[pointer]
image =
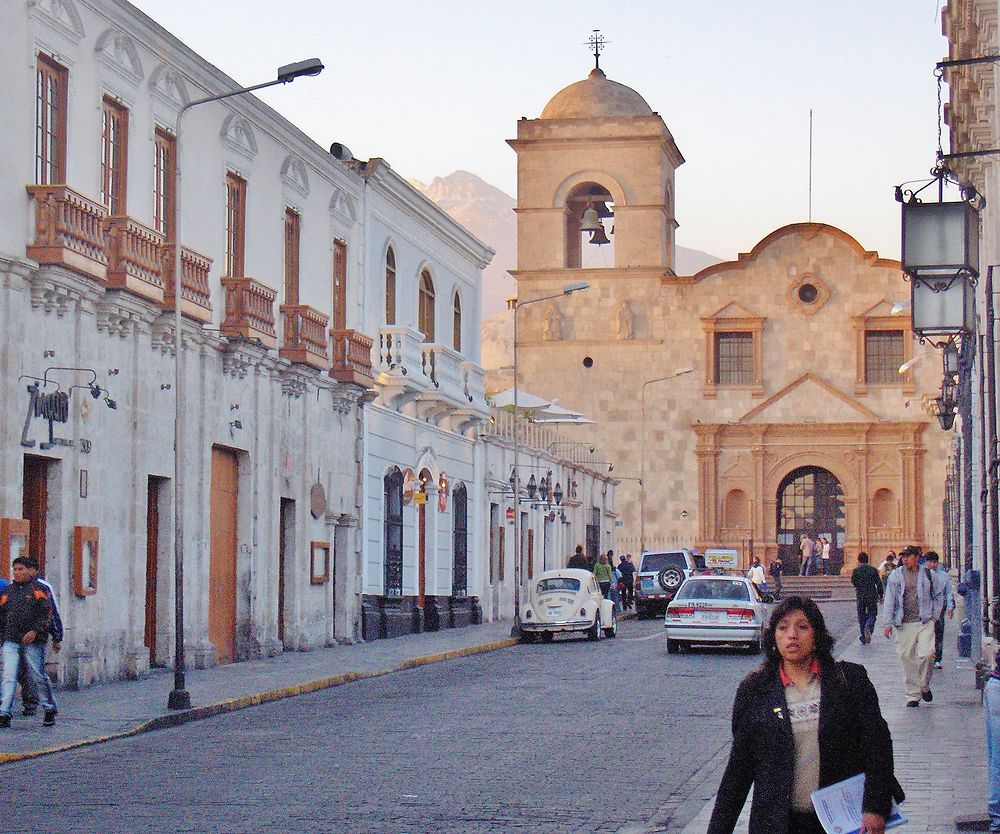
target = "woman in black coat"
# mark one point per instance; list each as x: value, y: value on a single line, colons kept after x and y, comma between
x: 838, y: 732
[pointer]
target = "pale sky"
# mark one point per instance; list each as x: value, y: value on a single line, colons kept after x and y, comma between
x: 438, y: 85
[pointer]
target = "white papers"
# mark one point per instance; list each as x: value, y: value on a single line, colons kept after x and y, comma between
x: 839, y: 807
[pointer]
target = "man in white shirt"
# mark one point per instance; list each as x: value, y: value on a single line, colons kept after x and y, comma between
x: 756, y: 576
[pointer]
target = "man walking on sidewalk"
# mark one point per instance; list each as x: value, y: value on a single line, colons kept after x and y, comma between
x: 913, y: 601
x: 932, y: 560
x: 869, y: 591
x: 991, y: 708
x: 628, y: 581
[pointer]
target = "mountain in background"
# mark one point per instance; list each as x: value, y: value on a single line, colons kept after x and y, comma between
x: 488, y: 213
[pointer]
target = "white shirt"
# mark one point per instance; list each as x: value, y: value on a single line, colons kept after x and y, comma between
x: 756, y: 575
x: 826, y: 550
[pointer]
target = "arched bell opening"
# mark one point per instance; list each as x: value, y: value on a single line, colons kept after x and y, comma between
x: 590, y: 219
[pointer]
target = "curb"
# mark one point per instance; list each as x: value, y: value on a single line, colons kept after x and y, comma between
x: 163, y: 722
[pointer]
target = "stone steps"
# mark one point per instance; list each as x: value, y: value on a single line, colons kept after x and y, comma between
x: 818, y: 587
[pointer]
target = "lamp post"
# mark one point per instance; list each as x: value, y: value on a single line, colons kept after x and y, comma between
x: 569, y: 289
x: 179, y: 697
x: 642, y: 451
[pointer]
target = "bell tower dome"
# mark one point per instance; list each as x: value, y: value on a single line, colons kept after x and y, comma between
x: 599, y: 145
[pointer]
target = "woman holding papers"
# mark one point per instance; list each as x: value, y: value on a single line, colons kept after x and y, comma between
x: 803, y: 722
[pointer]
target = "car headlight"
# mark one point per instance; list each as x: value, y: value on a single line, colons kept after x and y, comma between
x: 583, y: 612
x: 527, y: 614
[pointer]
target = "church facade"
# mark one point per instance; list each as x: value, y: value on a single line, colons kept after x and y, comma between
x: 744, y: 405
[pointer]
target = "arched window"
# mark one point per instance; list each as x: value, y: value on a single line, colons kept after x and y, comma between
x: 456, y: 338
x: 393, y: 538
x: 736, y: 510
x: 883, y: 508
x: 390, y: 286
x: 581, y: 250
x: 460, y: 539
x: 425, y: 307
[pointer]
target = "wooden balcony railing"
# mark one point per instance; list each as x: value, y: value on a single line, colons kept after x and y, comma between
x: 352, y: 358
x: 303, y: 335
x: 135, y: 257
x: 196, y: 297
x: 249, y: 311
x: 69, y: 231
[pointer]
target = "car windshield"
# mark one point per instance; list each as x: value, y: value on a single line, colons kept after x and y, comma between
x: 558, y: 583
x: 734, y: 589
x: 653, y: 562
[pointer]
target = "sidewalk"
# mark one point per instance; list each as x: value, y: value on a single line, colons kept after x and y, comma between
x: 939, y: 747
x: 100, y: 713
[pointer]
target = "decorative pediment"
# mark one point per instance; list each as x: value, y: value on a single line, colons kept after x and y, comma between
x: 741, y: 467
x: 60, y: 15
x: 167, y: 86
x: 238, y: 136
x: 732, y: 310
x: 118, y: 53
x: 882, y: 466
x: 344, y: 205
x: 294, y: 175
x: 812, y: 396
x: 882, y: 308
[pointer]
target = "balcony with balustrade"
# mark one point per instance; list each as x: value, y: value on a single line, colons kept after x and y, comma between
x: 303, y: 336
x: 70, y: 231
x: 196, y: 296
x: 441, y: 365
x: 352, y: 358
x: 249, y: 311
x: 399, y: 365
x: 135, y: 257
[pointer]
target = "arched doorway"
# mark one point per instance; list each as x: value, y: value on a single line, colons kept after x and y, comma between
x: 810, y: 500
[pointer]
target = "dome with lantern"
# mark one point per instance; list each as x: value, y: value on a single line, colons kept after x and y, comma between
x: 596, y: 97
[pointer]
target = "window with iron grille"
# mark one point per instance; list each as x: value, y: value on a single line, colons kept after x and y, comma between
x: 460, y: 538
x: 50, y: 121
x: 883, y: 356
x: 393, y: 539
x: 164, y: 157
x: 236, y: 207
x: 114, y: 156
x: 734, y: 358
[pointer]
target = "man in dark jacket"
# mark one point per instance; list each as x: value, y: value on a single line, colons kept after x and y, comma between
x: 25, y: 614
x: 627, y: 570
x: 578, y: 560
x: 29, y: 695
x: 868, y: 591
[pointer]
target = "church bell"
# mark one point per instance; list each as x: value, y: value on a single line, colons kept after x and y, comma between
x: 591, y: 220
x: 599, y: 237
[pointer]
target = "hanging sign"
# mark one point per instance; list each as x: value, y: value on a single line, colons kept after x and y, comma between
x: 443, y: 492
x: 419, y: 498
x: 317, y: 500
x: 410, y: 485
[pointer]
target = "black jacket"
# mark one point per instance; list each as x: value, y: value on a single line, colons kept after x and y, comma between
x: 867, y: 583
x: 24, y: 607
x: 853, y: 738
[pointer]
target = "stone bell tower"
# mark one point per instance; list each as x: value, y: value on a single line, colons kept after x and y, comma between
x: 597, y: 143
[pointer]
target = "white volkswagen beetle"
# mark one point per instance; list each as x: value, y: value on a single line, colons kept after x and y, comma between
x: 567, y: 600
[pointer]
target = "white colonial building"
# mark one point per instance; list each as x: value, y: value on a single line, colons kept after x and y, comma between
x: 335, y: 474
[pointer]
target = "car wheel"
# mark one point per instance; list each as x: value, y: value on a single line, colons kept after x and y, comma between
x: 594, y: 632
x: 754, y: 647
x: 613, y: 630
x: 670, y: 578
x: 672, y: 646
x: 546, y: 636
x: 526, y: 637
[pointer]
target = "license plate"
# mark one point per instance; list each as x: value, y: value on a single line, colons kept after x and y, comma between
x: 554, y: 612
x: 709, y: 616
x: 647, y: 583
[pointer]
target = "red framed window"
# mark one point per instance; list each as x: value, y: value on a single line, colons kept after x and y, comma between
x: 114, y: 156
x: 50, y: 121
x: 164, y: 159
x: 291, y: 256
x: 236, y: 211
x: 339, y: 318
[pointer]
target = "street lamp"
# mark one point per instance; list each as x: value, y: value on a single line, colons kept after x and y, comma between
x: 642, y: 451
x: 569, y: 289
x: 179, y: 697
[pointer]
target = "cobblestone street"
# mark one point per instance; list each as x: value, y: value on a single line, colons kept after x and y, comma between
x: 567, y: 737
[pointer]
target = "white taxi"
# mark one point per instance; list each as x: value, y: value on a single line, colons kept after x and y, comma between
x: 716, y: 609
x: 567, y: 600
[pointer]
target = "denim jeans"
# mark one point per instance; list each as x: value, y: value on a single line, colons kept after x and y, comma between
x: 991, y: 709
x: 34, y: 658
x: 867, y: 615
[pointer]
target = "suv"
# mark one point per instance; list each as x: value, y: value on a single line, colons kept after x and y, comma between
x: 660, y: 574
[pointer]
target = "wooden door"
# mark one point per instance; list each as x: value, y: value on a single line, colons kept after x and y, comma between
x: 222, y: 564
x: 154, y: 493
x: 339, y: 319
x: 286, y: 525
x: 35, y: 505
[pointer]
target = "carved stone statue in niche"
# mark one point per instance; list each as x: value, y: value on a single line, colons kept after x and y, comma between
x: 625, y: 322
x: 552, y: 327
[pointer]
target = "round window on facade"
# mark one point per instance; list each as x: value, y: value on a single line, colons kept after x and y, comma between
x: 808, y: 293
